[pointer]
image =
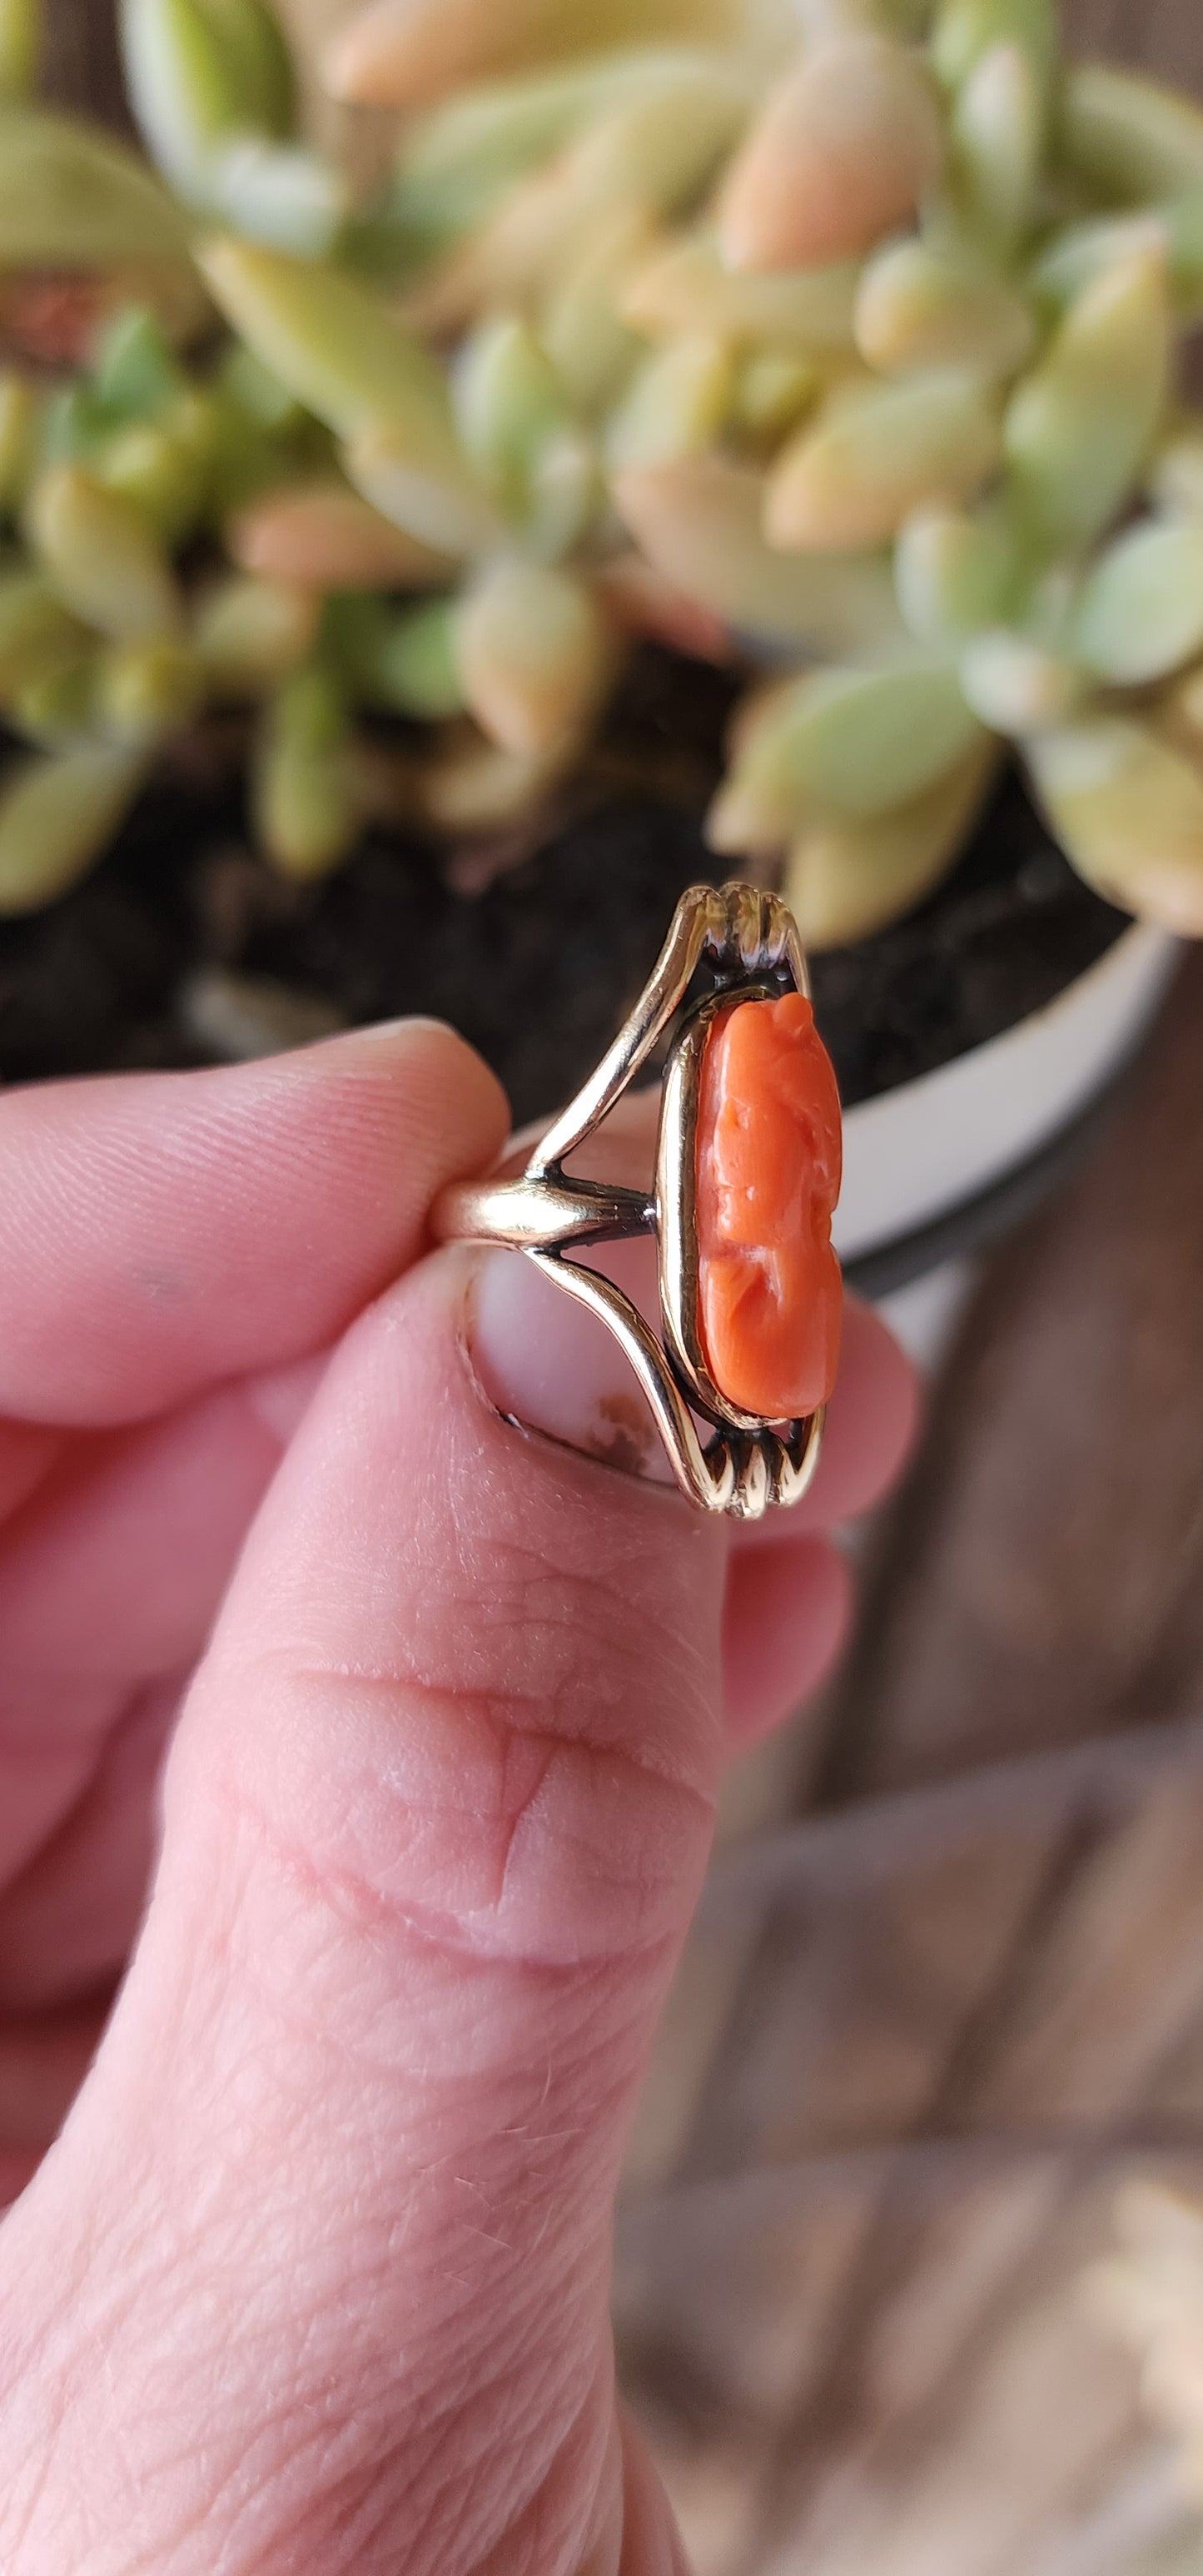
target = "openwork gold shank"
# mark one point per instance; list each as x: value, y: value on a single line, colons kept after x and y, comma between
x: 746, y: 1467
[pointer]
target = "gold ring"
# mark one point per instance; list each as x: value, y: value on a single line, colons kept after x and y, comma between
x: 749, y: 1283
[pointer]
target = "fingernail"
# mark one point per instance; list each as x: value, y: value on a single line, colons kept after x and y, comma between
x: 409, y: 1020
x: 544, y: 1361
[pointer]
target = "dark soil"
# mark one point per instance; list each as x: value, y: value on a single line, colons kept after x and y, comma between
x: 540, y: 965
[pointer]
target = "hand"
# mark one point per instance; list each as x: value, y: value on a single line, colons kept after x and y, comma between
x: 314, y: 2279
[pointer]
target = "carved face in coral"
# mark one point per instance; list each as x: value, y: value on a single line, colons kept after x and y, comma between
x: 769, y: 1155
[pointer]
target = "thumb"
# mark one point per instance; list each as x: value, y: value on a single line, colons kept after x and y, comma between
x: 335, y: 2203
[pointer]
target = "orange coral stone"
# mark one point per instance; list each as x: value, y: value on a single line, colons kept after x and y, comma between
x: 769, y: 1154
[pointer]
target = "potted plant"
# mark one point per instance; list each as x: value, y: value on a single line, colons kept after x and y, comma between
x: 707, y: 454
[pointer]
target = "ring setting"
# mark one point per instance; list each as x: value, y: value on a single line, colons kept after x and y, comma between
x: 747, y: 1178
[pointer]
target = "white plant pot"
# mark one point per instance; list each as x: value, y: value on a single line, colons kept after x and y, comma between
x: 915, y: 1154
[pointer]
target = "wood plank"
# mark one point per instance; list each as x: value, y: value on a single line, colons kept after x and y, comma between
x: 80, y: 64
x: 1164, y: 35
x: 1041, y: 1580
x: 845, y: 2342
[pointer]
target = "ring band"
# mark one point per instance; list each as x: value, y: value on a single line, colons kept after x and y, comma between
x: 750, y: 1462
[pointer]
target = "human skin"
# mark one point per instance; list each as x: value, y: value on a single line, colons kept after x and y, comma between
x: 314, y: 2275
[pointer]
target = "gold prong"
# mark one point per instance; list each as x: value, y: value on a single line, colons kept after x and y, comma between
x: 748, y: 1466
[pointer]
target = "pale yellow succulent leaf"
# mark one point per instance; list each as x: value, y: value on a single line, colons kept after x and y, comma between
x: 305, y: 811
x: 998, y: 134
x: 473, y: 786
x: 251, y: 630
x: 284, y: 195
x: 1141, y: 610
x: 20, y: 44
x: 213, y: 94
x: 320, y: 535
x: 1079, y: 428
x: 458, y: 158
x: 191, y: 87
x: 1128, y: 136
x: 535, y: 654
x: 19, y: 415
x: 145, y: 692
x: 405, y: 53
x: 1128, y: 809
x: 338, y: 349
x: 954, y: 574
x: 676, y: 405
x: 72, y: 196
x: 565, y: 493
x: 1175, y: 479
x: 821, y: 19
x: 842, y: 742
x: 448, y: 512
x: 845, y: 880
x: 37, y: 632
x: 1084, y: 251
x: 107, y: 565
x: 54, y: 706
x: 931, y: 304
x: 685, y: 287
x: 58, y: 815
x: 592, y: 349
x: 873, y: 456
x: 966, y: 31
x: 163, y: 476
x: 842, y: 153
x: 333, y: 343
x: 1016, y: 686
x: 773, y: 392
x: 507, y: 400
x: 650, y: 156
x: 700, y: 524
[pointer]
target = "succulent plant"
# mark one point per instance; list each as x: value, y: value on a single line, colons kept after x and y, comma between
x: 846, y: 358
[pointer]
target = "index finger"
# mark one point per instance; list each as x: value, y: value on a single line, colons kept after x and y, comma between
x: 161, y: 1233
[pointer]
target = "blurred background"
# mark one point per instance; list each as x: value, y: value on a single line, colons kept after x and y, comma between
x: 942, y: 2017
x: 945, y: 2005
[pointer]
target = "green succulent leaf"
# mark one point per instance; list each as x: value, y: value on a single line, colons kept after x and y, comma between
x: 136, y: 374
x: 1083, y: 252
x: 20, y: 44
x: 72, y: 197
x: 1130, y: 138
x: 333, y: 343
x: 416, y: 670
x: 1129, y: 810
x: 1141, y: 612
x: 844, y: 880
x: 303, y: 795
x: 966, y: 31
x: 1079, y: 428
x: 457, y: 160
x: 211, y: 87
x: 843, y: 742
x: 107, y: 564
x: 57, y: 817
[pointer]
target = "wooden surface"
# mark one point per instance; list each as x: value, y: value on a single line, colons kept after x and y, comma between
x: 1042, y: 1578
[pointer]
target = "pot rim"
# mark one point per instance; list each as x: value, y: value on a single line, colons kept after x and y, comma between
x: 936, y: 1147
